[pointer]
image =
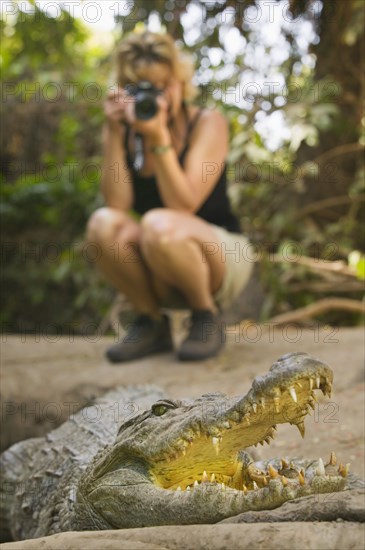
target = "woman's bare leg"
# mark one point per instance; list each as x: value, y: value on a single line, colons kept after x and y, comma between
x: 118, y: 237
x: 168, y: 249
x: 174, y: 246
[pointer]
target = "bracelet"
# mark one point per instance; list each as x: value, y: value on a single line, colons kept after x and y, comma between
x: 160, y: 149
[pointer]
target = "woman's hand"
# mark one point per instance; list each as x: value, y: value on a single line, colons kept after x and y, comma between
x: 154, y: 129
x: 115, y: 105
x: 119, y: 107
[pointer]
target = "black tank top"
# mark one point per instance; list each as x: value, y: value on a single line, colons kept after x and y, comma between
x: 216, y: 209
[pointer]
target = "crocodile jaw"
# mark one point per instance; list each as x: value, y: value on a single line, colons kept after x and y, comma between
x: 193, y: 440
x: 284, y: 395
x: 137, y: 503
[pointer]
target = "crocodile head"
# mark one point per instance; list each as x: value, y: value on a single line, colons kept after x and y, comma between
x: 178, y: 450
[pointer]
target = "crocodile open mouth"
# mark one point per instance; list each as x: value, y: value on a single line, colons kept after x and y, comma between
x: 212, y: 454
x: 251, y: 476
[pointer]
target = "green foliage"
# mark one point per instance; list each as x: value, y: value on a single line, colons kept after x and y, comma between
x: 45, y: 254
x: 36, y: 46
x: 357, y: 262
x: 49, y: 282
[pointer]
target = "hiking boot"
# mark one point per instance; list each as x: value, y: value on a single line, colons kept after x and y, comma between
x: 146, y: 336
x: 205, y: 337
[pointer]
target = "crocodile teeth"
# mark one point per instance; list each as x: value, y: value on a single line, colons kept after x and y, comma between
x: 301, y: 429
x: 301, y: 477
x: 272, y: 472
x: 343, y: 470
x: 245, y: 490
x: 212, y: 478
x: 333, y: 459
x: 254, y: 407
x: 263, y: 404
x: 284, y: 463
x: 267, y: 439
x: 320, y: 469
x: 179, y: 488
x: 311, y: 404
x: 284, y: 481
x: 216, y: 441
x: 213, y: 432
x: 223, y: 486
x: 196, y: 483
x: 299, y: 384
x: 293, y: 394
x: 204, y: 477
x: 318, y: 382
x: 310, y: 384
x: 255, y: 486
x: 188, y: 488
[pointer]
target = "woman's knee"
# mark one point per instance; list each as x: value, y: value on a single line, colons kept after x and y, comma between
x: 159, y: 227
x: 105, y: 224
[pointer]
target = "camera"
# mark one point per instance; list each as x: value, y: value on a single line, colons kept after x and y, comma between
x: 145, y: 95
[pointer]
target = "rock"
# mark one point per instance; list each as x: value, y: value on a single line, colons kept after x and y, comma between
x: 264, y: 536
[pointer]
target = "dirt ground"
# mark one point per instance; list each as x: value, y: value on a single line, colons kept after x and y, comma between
x: 43, y: 376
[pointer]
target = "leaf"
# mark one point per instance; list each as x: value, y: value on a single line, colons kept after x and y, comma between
x: 357, y: 262
x: 360, y: 269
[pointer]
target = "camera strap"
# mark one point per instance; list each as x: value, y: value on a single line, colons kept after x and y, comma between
x: 139, y: 156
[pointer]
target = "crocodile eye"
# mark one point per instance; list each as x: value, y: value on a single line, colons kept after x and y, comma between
x: 159, y: 409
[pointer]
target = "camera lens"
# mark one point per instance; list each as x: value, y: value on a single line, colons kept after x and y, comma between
x: 146, y: 105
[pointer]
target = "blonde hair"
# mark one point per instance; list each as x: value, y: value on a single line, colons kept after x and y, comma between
x: 149, y: 47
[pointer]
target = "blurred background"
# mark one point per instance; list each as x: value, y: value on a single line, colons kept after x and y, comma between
x: 288, y: 75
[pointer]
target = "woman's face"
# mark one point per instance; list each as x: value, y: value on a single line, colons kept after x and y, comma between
x: 159, y: 74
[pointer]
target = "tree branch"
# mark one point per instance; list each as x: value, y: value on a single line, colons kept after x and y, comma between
x: 324, y: 286
x: 315, y: 264
x: 317, y: 308
x: 328, y: 203
x: 339, y: 150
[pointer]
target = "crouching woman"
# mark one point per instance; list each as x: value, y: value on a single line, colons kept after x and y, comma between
x: 167, y: 166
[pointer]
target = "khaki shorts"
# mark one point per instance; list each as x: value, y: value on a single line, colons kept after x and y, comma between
x: 234, y: 252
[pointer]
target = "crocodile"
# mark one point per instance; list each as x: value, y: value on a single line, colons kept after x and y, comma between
x: 135, y: 458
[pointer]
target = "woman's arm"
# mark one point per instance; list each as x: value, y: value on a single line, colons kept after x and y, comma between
x: 116, y: 183
x: 186, y: 188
